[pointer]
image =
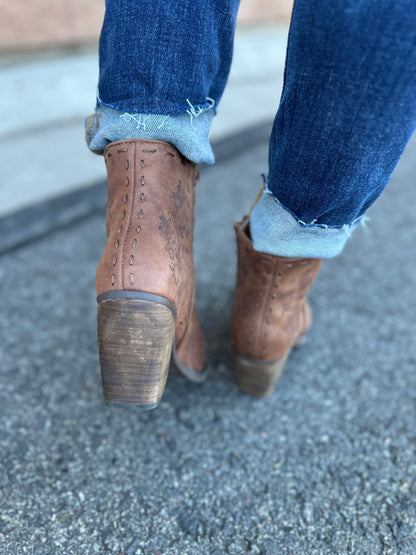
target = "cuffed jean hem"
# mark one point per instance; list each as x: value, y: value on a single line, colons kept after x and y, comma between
x: 188, y: 132
x: 276, y: 230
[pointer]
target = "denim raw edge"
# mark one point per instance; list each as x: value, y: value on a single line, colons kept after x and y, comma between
x: 276, y: 230
x: 188, y: 132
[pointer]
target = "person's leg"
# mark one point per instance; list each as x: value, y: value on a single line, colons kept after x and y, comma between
x: 347, y: 111
x: 163, y: 67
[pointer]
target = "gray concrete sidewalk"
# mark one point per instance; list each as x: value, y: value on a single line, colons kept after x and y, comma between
x: 45, y: 100
x: 326, y: 465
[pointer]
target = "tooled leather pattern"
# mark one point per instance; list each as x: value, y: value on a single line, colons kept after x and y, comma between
x: 150, y: 224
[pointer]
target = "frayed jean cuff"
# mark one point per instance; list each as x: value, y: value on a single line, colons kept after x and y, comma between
x: 188, y: 132
x: 276, y: 230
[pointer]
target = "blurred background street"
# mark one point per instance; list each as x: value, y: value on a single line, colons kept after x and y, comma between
x: 326, y: 465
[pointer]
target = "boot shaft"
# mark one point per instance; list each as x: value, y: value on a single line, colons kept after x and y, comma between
x: 270, y: 309
x: 150, y: 200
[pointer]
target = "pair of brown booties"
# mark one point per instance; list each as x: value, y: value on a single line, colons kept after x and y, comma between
x: 147, y: 322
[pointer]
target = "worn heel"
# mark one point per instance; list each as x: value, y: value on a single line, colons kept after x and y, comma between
x: 257, y: 377
x: 135, y: 337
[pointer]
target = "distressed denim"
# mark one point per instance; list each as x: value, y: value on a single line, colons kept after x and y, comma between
x: 347, y: 110
x: 187, y: 132
x: 166, y: 58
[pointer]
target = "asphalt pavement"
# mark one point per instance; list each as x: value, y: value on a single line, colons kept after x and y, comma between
x: 326, y: 465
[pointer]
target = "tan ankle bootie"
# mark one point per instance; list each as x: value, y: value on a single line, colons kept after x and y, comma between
x: 270, y: 312
x: 145, y: 278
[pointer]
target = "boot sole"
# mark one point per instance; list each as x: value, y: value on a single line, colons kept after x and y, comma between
x: 257, y: 377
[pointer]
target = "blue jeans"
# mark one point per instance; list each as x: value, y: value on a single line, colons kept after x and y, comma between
x: 347, y: 110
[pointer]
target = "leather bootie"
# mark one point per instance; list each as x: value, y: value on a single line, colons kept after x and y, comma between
x: 270, y: 312
x: 145, y: 278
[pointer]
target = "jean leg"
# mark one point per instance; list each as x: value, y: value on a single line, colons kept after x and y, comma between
x: 156, y: 54
x: 163, y: 68
x: 347, y: 111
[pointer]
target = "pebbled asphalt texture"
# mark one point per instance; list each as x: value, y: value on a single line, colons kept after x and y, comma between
x: 326, y: 465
